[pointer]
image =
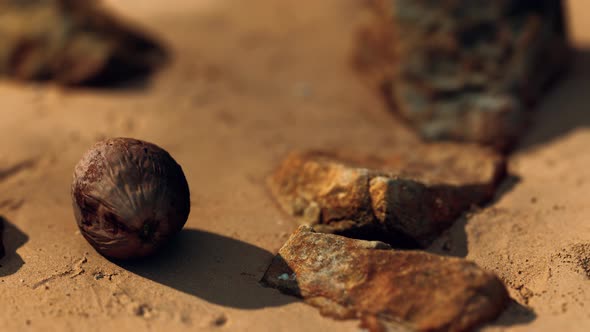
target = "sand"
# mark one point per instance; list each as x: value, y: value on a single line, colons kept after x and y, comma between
x: 251, y: 80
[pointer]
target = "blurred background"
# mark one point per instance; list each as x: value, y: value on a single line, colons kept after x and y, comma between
x: 229, y: 88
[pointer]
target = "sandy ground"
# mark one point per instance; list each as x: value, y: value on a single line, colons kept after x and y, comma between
x: 250, y: 81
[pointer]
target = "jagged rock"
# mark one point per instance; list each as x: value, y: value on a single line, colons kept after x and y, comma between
x: 72, y: 42
x: 406, y: 199
x: 2, y: 250
x: 387, y: 289
x: 463, y: 70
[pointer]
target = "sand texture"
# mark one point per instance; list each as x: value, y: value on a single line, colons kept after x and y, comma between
x: 248, y: 82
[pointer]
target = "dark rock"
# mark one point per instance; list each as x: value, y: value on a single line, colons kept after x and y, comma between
x: 2, y: 250
x: 405, y: 199
x: 386, y: 289
x: 72, y: 42
x: 463, y: 70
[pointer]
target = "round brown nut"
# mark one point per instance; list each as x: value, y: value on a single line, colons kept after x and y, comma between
x: 130, y: 197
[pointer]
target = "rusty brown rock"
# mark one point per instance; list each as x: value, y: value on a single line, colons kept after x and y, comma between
x: 406, y: 199
x: 72, y: 42
x: 387, y: 289
x: 463, y: 70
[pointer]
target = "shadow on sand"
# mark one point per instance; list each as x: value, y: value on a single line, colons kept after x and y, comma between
x: 515, y: 314
x: 216, y: 268
x: 12, y: 238
x: 564, y: 108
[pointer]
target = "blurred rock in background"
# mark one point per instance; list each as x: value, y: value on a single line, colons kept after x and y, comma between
x: 463, y: 70
x: 74, y: 43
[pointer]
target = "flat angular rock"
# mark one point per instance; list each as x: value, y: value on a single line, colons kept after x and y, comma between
x: 388, y: 290
x: 463, y: 70
x: 406, y: 199
x: 72, y: 42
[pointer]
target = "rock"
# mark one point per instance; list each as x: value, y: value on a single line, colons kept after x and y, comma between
x: 72, y: 42
x: 406, y: 199
x: 463, y: 70
x: 388, y: 290
x: 2, y: 250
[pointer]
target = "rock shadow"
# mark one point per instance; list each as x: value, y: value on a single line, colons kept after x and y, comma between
x: 515, y: 314
x: 564, y: 108
x: 453, y: 242
x: 12, y: 238
x: 132, y: 66
x: 506, y: 186
x: 216, y: 268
